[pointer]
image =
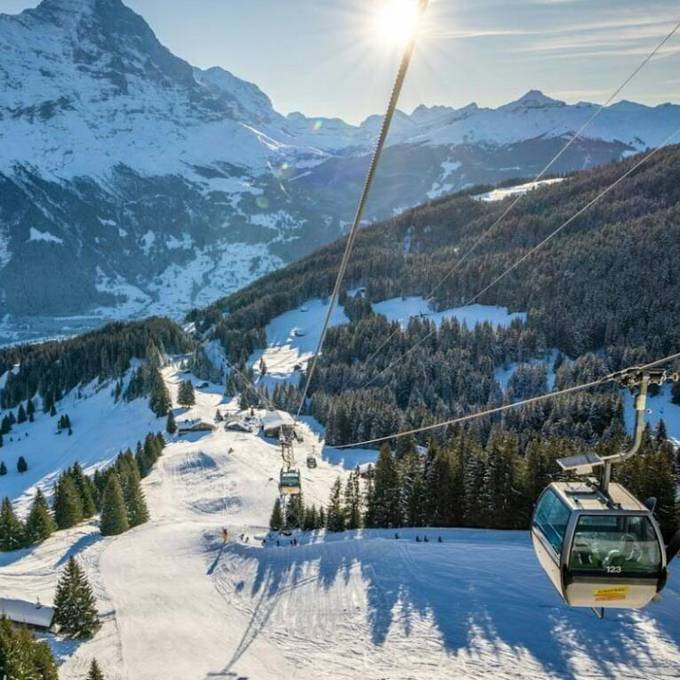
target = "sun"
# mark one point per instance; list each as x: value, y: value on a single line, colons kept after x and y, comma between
x: 396, y: 21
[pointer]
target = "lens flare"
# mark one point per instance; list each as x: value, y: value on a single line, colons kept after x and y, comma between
x: 396, y: 21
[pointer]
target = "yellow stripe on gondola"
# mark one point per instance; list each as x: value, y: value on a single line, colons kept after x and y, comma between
x: 611, y: 594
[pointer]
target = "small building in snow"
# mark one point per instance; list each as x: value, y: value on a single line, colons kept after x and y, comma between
x: 274, y: 422
x: 200, y: 426
x: 31, y: 614
x: 237, y: 426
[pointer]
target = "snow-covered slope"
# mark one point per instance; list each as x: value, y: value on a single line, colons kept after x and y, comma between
x: 179, y: 605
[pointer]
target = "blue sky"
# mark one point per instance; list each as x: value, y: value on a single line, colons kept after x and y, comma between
x: 320, y: 56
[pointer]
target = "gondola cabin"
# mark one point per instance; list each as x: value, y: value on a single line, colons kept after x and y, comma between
x: 599, y: 550
x: 290, y: 483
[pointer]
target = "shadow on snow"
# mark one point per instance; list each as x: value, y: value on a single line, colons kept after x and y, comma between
x: 475, y: 585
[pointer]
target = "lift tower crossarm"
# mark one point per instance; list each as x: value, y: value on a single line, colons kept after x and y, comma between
x: 632, y: 378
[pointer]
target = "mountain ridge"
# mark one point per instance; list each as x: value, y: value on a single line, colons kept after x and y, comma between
x: 135, y: 183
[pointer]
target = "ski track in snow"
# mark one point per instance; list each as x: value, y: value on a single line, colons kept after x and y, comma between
x: 176, y: 604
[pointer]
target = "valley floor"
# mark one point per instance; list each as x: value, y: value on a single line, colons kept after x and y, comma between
x: 178, y: 605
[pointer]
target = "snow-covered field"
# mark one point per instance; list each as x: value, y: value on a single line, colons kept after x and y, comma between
x: 402, y: 309
x: 517, y: 190
x: 178, y: 605
x: 292, y: 339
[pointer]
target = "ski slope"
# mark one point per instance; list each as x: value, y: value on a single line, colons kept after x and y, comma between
x: 102, y: 429
x: 179, y: 605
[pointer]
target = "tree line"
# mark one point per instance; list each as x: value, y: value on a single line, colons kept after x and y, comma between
x: 52, y: 369
x: 115, y: 493
x: 472, y: 483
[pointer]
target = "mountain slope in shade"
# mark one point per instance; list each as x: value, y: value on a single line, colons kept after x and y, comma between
x: 133, y: 183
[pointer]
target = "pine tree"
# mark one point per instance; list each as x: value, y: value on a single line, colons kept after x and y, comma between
x: 21, y: 414
x: 12, y: 531
x: 310, y: 522
x: 22, y: 465
x: 353, y: 501
x: 369, y: 499
x: 661, y: 434
x: 67, y: 505
x: 22, y: 657
x: 412, y: 489
x: 85, y: 490
x: 114, y: 518
x: 30, y: 409
x: 40, y: 523
x: 3, y: 469
x: 74, y: 603
x: 186, y: 395
x: 295, y: 512
x: 151, y: 452
x: 386, y: 500
x: 95, y: 672
x: 243, y: 402
x: 498, y: 491
x: 335, y: 513
x: 276, y: 519
x: 170, y: 424
x: 159, y: 400
x: 135, y: 502
x: 321, y: 519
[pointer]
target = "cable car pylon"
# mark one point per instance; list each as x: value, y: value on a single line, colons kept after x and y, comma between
x: 290, y: 481
x: 598, y: 544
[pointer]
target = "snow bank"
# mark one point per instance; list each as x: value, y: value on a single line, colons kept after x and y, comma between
x: 402, y: 309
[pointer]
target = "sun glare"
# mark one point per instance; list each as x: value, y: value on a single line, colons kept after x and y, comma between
x: 396, y: 21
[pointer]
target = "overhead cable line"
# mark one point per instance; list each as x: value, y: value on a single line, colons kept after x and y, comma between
x: 351, y: 237
x: 537, y: 178
x: 611, y: 377
x: 528, y: 254
x: 559, y: 154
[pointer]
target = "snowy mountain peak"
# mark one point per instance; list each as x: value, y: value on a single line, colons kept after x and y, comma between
x: 56, y: 10
x: 534, y: 99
